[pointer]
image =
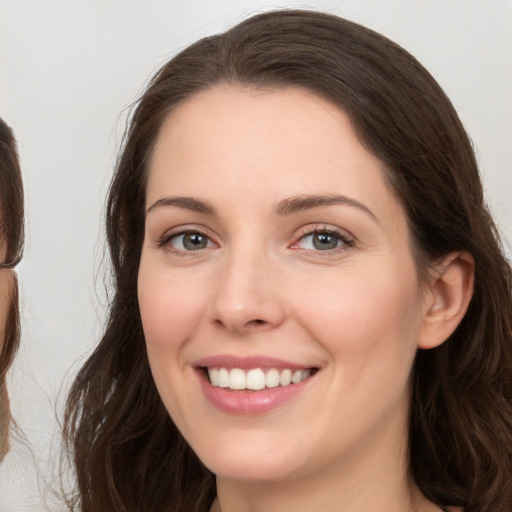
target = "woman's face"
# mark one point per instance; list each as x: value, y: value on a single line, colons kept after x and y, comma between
x: 5, y: 293
x: 6, y: 288
x: 277, y: 258
x: 6, y: 283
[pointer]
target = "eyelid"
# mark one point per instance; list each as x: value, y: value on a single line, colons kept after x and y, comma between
x: 165, y: 239
x: 347, y: 239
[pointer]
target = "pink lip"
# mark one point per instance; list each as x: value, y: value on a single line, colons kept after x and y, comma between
x: 248, y: 403
x: 245, y: 363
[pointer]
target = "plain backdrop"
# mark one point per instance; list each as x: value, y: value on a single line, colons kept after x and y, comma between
x: 69, y: 70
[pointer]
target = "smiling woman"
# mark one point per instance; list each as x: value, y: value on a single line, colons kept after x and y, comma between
x: 312, y: 310
x: 11, y: 246
x: 321, y: 294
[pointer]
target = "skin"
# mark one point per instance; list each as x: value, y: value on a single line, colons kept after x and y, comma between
x: 357, y: 313
x: 6, y: 283
x: 5, y: 287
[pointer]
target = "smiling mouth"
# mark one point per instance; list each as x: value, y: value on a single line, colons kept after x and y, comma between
x: 255, y: 379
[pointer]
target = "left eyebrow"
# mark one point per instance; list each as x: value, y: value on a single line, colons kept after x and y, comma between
x: 306, y: 202
x: 187, y: 203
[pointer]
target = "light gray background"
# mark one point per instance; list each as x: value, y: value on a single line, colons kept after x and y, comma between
x: 68, y: 71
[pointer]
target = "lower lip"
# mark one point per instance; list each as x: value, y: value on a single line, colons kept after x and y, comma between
x: 250, y: 403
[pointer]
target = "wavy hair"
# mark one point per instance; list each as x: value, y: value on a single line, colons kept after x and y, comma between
x: 11, y: 245
x: 119, y: 434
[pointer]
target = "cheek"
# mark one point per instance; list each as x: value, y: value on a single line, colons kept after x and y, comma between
x: 170, y: 313
x: 6, y: 289
x: 368, y: 325
x: 366, y: 316
x: 169, y: 307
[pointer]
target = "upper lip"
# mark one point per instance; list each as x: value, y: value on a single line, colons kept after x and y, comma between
x: 247, y: 362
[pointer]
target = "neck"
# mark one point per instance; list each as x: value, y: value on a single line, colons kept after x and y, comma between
x: 326, y: 497
x: 5, y: 418
x: 289, y: 498
x: 374, y: 477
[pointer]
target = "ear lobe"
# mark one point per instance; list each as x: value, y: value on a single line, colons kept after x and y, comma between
x: 448, y: 297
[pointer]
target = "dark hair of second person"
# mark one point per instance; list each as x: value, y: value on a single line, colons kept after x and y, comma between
x: 11, y: 247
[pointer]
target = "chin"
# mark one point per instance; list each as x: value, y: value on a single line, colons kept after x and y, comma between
x: 251, y: 460
x: 259, y: 471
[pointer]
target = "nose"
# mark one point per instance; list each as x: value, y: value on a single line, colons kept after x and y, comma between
x: 247, y: 297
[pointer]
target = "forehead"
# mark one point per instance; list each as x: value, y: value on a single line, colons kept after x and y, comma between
x: 247, y: 115
x: 281, y: 142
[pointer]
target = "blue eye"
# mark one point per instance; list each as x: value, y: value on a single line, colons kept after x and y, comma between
x: 190, y: 241
x: 323, y: 241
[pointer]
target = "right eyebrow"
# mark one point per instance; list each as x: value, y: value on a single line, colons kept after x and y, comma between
x: 306, y: 202
x: 188, y: 203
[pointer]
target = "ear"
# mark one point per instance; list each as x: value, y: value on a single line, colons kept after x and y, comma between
x: 447, y: 298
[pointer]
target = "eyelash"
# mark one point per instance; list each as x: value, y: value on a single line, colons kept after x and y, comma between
x: 344, y: 240
x: 165, y: 241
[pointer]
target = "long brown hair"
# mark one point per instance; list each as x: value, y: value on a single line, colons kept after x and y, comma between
x: 128, y: 455
x: 11, y: 243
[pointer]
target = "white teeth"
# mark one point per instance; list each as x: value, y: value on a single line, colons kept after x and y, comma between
x: 297, y: 376
x: 286, y: 378
x: 213, y: 373
x: 272, y: 378
x: 223, y: 378
x: 237, y: 379
x: 255, y: 379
